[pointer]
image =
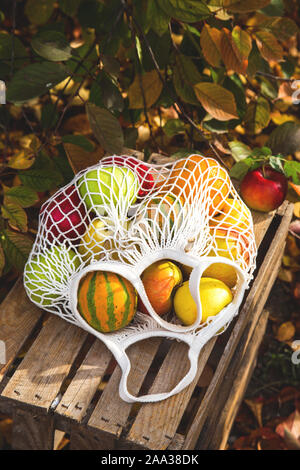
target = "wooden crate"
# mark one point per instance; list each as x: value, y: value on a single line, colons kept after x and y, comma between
x: 58, y: 378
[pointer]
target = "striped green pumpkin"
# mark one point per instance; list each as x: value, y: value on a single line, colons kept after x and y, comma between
x: 107, y: 301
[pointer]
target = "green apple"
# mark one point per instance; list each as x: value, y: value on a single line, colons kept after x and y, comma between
x: 108, y: 185
x: 42, y: 272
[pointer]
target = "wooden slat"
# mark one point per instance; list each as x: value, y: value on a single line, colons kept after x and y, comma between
x: 236, y: 380
x: 156, y: 423
x: 32, y: 431
x: 18, y: 318
x: 250, y: 312
x: 240, y: 376
x: 111, y: 413
x: 82, y: 438
x: 40, y: 375
x: 84, y: 384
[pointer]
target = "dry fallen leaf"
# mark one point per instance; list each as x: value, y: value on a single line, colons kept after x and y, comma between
x: 297, y: 209
x: 80, y: 159
x: 286, y: 331
x: 256, y: 407
x: 289, y: 430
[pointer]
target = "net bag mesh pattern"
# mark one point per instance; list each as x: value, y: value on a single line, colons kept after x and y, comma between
x: 122, y: 215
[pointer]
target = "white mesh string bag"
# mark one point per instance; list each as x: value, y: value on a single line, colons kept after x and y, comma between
x: 120, y: 216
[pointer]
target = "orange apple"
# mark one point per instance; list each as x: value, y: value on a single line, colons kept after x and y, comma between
x: 159, y: 281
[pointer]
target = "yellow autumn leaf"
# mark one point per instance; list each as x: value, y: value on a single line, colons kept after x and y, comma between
x: 297, y: 209
x: 279, y: 118
x: 232, y: 56
x: 210, y: 41
x: 21, y: 160
x: 243, y: 41
x: 216, y: 100
x: 30, y: 141
x: 269, y: 47
x: 144, y: 90
x: 286, y: 331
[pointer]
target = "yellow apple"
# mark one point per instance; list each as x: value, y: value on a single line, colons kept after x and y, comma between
x: 95, y: 241
x: 214, y: 296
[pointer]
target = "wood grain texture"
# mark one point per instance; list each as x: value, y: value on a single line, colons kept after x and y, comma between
x: 239, y: 378
x: 156, y: 423
x: 18, y: 318
x: 247, y: 319
x: 111, y: 413
x: 40, y: 375
x: 84, y: 384
x: 32, y: 431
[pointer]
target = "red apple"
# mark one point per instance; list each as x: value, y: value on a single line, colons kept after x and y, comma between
x: 264, y: 189
x: 64, y: 216
x: 143, y: 171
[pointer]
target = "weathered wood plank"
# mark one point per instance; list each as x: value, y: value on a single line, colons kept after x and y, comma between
x: 84, y: 384
x: 156, y: 423
x: 18, y: 318
x: 248, y: 315
x: 32, y: 431
x: 40, y: 375
x: 239, y: 378
x: 82, y: 438
x: 111, y: 413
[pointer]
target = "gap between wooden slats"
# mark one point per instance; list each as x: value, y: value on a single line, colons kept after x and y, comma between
x: 40, y: 375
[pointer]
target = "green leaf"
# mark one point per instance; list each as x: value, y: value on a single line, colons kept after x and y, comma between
x: 35, y: 80
x: 49, y: 116
x: 42, y: 176
x: 16, y: 247
x: 69, y: 7
x: 130, y: 137
x: 185, y: 75
x: 285, y: 139
x: 39, y: 11
x: 173, y: 127
x: 22, y: 195
x: 292, y: 170
x: 268, y: 88
x: 234, y: 84
x: 10, y: 45
x: 79, y: 140
x: 257, y: 115
x: 239, y: 150
x: 111, y: 95
x: 90, y: 13
x: 15, y: 214
x: 239, y: 170
x: 182, y: 153
x: 2, y: 260
x: 52, y: 45
x: 275, y: 8
x: 157, y: 18
x: 106, y: 128
x: 276, y: 163
x: 62, y: 164
x: 188, y: 11
x: 80, y: 53
x: 40, y: 179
